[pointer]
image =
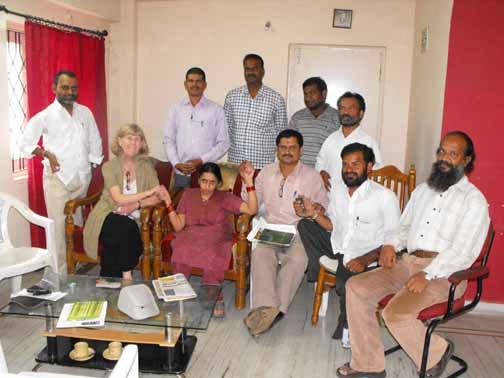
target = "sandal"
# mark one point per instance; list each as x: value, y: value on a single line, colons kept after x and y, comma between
x: 219, y: 309
x: 347, y: 371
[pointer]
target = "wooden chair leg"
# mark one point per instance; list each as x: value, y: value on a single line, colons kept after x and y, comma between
x: 319, y: 290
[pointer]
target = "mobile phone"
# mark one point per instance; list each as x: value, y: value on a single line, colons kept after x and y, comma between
x: 38, y: 290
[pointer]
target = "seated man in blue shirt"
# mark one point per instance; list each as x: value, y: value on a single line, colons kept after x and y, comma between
x: 360, y: 214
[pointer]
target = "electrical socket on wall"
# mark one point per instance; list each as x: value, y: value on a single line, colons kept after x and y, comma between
x: 424, y: 45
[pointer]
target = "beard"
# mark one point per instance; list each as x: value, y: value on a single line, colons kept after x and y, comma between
x: 352, y: 180
x: 440, y: 180
x: 348, y: 120
x: 67, y: 100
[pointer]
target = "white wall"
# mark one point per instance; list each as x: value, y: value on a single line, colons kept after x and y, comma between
x: 49, y: 10
x: 216, y: 34
x: 428, y: 84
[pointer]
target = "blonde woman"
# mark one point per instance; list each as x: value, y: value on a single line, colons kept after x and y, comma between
x: 130, y: 183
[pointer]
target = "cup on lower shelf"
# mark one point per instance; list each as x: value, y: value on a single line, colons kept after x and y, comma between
x: 115, y: 349
x: 81, y: 349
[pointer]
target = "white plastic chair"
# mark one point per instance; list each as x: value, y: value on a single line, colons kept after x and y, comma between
x: 126, y: 367
x: 16, y: 261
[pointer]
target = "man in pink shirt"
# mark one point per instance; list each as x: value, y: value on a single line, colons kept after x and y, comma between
x: 278, y: 186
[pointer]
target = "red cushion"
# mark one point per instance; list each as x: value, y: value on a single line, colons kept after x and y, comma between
x: 434, y: 311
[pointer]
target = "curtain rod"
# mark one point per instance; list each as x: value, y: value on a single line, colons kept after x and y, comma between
x: 98, y: 33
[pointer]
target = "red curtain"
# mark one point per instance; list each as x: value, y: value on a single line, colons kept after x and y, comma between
x: 49, y: 50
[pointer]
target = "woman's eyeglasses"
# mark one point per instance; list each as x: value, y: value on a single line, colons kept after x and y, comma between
x: 128, y: 187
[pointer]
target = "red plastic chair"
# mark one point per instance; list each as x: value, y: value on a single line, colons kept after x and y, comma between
x: 452, y: 308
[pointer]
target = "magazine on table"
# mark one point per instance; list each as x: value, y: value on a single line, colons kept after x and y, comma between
x: 83, y: 314
x: 173, y: 288
x: 269, y: 233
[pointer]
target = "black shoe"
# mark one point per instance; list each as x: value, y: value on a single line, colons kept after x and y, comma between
x: 338, y: 332
x: 438, y: 369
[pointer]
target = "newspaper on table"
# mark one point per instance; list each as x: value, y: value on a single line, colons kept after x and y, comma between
x: 83, y: 314
x: 173, y: 288
x: 269, y: 233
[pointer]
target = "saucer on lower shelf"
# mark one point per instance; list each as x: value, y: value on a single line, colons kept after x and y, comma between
x: 107, y: 356
x: 90, y: 355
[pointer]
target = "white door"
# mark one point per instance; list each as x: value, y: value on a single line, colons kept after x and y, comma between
x: 344, y: 68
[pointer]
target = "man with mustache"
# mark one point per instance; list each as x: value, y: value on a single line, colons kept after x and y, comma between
x: 361, y: 213
x: 317, y: 121
x: 277, y: 187
x: 351, y: 108
x: 255, y: 115
x: 443, y: 228
x: 196, y: 130
x: 71, y: 143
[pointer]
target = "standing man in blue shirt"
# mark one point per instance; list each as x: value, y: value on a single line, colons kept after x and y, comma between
x: 196, y: 130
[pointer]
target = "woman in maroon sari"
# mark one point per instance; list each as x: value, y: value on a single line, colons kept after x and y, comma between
x: 202, y: 228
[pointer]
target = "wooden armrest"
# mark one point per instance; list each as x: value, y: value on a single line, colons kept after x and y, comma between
x: 72, y: 205
x: 469, y: 274
x: 243, y: 223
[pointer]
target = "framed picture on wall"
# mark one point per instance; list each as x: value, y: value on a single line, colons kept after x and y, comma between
x: 342, y: 18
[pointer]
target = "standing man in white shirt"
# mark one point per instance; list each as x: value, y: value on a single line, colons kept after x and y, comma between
x: 443, y: 228
x: 196, y: 130
x: 351, y: 109
x: 361, y: 213
x: 71, y: 143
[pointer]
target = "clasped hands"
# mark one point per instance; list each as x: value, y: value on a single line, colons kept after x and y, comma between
x: 189, y: 166
x: 416, y: 283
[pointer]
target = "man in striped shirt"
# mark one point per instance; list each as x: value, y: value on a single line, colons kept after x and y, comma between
x: 315, y: 122
x: 255, y: 114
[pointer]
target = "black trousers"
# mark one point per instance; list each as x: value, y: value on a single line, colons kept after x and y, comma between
x: 317, y: 243
x: 122, y: 245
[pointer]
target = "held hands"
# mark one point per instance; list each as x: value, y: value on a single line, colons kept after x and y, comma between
x: 387, y: 256
x: 164, y: 195
x: 417, y: 283
x: 247, y: 171
x: 326, y: 178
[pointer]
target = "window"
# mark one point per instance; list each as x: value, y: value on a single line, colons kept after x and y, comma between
x: 16, y: 85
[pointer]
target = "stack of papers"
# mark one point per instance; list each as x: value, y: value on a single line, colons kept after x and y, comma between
x: 173, y: 288
x: 83, y: 314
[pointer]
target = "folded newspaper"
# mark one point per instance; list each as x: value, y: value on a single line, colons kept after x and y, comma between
x: 269, y: 233
x: 173, y: 288
x: 83, y: 314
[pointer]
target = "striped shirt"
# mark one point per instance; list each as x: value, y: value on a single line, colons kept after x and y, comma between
x: 453, y: 223
x: 254, y: 124
x: 315, y: 130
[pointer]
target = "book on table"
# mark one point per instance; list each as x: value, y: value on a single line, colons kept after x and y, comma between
x: 83, y: 314
x: 173, y: 288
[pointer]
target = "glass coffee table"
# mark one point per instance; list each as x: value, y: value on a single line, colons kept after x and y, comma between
x: 163, y: 343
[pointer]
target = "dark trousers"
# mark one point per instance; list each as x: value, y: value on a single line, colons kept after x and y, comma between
x: 182, y: 181
x: 122, y: 245
x: 317, y: 243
